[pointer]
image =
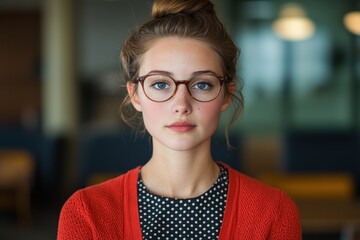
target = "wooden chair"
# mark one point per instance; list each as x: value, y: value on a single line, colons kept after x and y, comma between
x: 313, y: 186
x: 326, y: 200
x: 16, y: 175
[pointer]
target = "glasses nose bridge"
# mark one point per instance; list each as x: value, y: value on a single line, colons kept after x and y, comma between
x: 179, y: 82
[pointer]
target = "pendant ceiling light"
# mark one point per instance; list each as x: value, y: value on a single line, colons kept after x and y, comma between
x: 352, y: 22
x: 293, y: 24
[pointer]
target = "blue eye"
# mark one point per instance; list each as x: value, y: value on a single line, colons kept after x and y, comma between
x: 202, y: 85
x: 160, y: 85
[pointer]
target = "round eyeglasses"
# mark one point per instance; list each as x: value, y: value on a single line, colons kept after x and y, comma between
x: 203, y: 87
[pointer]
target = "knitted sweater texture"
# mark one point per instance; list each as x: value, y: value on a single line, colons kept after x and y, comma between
x: 110, y: 211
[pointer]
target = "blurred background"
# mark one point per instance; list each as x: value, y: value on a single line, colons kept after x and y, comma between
x: 60, y: 92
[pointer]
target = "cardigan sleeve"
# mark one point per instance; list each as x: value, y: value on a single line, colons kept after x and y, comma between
x: 287, y: 223
x: 74, y: 222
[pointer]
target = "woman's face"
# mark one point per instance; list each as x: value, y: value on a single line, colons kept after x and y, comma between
x: 180, y: 123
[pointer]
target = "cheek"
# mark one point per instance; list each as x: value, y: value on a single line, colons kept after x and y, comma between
x: 210, y: 112
x: 152, y: 113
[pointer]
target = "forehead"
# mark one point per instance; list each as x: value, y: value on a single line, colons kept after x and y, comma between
x: 180, y: 56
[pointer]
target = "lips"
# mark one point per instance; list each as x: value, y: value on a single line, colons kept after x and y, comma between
x: 181, y: 126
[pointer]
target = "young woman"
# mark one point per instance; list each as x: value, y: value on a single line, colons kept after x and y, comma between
x: 180, y: 70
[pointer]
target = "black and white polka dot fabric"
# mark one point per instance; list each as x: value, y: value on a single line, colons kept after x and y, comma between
x: 193, y: 218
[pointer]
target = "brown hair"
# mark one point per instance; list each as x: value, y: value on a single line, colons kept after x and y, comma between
x: 187, y: 19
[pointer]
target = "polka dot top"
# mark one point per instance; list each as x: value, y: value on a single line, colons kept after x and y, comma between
x: 192, y: 218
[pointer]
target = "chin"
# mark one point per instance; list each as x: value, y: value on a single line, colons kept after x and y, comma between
x: 186, y: 145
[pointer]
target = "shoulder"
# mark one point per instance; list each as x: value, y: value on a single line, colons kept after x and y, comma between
x: 102, y: 195
x: 266, y: 198
x: 264, y: 205
x: 253, y: 189
x: 111, y: 189
x: 97, y: 211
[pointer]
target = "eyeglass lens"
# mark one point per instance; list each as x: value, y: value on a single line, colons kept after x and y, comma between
x: 159, y: 88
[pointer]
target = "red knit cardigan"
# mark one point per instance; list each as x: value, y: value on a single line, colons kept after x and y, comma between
x: 110, y: 211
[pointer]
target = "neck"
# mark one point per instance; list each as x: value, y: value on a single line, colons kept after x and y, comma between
x: 180, y: 174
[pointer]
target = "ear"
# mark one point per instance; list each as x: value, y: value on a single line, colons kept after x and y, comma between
x: 228, y: 98
x: 131, y: 88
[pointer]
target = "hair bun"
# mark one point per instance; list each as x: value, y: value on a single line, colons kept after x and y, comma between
x: 162, y: 8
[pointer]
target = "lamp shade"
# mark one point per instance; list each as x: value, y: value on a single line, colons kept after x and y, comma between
x: 352, y: 22
x: 293, y: 25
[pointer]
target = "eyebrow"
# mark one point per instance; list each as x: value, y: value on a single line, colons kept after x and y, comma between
x: 192, y: 75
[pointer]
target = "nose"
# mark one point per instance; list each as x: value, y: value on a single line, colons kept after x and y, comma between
x: 181, y: 101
